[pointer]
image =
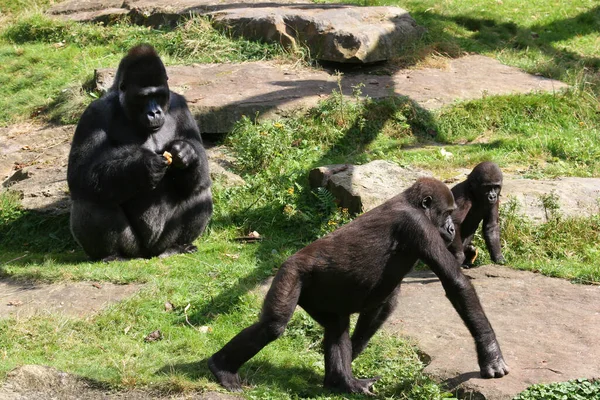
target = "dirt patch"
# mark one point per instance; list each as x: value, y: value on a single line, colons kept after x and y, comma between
x: 38, y: 382
x: 75, y: 299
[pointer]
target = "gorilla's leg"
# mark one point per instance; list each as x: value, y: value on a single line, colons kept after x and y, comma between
x: 103, y: 231
x: 279, y: 305
x: 369, y: 321
x: 338, y: 356
x: 185, y: 226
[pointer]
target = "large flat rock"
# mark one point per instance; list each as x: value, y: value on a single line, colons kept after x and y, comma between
x: 363, y: 187
x: 332, y: 32
x: 219, y: 94
x: 547, y: 328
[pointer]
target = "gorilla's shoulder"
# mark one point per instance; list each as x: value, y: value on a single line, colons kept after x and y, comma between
x: 104, y: 106
x: 177, y: 102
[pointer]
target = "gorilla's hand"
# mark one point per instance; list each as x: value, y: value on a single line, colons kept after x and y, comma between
x: 156, y: 167
x: 183, y: 153
x: 491, y: 362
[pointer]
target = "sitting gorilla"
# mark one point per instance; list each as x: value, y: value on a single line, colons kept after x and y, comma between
x: 358, y: 269
x: 138, y: 173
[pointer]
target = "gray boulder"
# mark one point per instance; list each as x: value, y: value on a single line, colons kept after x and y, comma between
x: 338, y: 33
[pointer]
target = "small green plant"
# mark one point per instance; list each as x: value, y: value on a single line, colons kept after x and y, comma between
x: 551, y: 205
x: 579, y: 389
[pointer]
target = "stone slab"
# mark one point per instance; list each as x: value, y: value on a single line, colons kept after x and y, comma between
x: 363, y: 187
x: 219, y: 94
x: 74, y: 299
x: 547, y: 329
x: 334, y: 33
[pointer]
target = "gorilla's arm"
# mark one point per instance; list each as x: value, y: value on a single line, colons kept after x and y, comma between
x: 463, y: 297
x: 189, y: 158
x: 105, y: 171
x: 491, y: 234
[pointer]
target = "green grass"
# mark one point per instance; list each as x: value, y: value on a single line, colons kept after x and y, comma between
x: 46, y: 69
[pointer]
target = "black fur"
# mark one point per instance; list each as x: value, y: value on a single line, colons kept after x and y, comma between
x: 358, y: 269
x: 127, y: 201
x: 477, y: 200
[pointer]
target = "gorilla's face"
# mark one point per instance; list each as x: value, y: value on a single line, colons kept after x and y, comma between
x: 439, y: 207
x: 146, y: 106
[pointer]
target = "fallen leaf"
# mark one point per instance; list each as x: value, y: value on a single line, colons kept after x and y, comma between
x: 168, y: 306
x: 15, y: 303
x: 153, y: 336
x: 204, y: 329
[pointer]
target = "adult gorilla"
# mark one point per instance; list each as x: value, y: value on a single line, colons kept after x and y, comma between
x: 138, y: 173
x: 358, y: 269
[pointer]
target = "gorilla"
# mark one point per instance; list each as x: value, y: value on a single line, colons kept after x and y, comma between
x: 477, y: 200
x: 358, y: 269
x: 138, y: 173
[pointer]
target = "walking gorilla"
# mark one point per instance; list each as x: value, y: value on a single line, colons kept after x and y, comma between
x: 138, y: 173
x: 358, y: 269
x: 477, y: 200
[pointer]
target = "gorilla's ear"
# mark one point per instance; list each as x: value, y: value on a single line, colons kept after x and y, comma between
x: 426, y: 203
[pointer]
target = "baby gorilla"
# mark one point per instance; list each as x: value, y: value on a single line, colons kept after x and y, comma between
x: 138, y: 173
x: 477, y: 200
x: 358, y: 269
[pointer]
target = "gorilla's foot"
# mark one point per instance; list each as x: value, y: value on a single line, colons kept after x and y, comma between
x: 229, y: 380
x: 179, y: 249
x: 114, y: 257
x: 353, y: 385
x: 494, y: 369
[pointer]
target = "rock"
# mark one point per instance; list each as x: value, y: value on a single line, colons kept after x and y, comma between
x: 573, y: 196
x: 366, y: 186
x: 39, y: 382
x: 340, y: 33
x: 219, y: 94
x: 220, y: 164
x: 544, y: 332
x: 363, y: 187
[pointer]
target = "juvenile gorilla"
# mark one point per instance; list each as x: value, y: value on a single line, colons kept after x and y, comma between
x: 477, y: 200
x: 130, y: 200
x: 358, y: 269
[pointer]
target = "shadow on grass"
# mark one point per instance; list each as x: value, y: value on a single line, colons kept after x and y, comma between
x: 303, y: 382
x: 31, y: 236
